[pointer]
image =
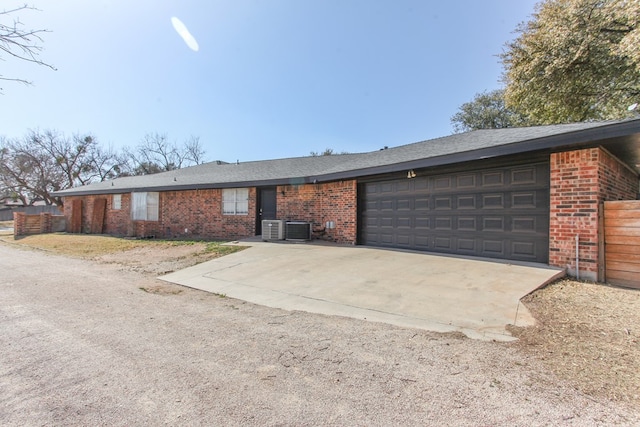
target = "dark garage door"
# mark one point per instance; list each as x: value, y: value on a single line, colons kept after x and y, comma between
x: 497, y: 213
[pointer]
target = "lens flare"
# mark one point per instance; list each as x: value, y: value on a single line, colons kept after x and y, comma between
x: 183, y: 32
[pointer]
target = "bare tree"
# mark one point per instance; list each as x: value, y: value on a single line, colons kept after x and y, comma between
x: 326, y: 152
x: 34, y: 167
x: 27, y: 174
x: 19, y: 42
x: 156, y: 153
x: 194, y: 153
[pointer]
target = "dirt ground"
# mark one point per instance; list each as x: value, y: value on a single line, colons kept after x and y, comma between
x: 142, y: 351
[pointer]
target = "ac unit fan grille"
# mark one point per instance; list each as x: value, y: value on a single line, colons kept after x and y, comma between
x: 298, y: 231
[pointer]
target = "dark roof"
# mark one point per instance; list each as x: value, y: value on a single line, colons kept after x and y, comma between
x: 621, y: 137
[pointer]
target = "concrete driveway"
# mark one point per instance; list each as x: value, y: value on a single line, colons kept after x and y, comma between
x: 426, y: 291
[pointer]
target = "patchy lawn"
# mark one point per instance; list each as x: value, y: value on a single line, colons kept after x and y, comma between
x: 589, y: 335
x: 143, y: 255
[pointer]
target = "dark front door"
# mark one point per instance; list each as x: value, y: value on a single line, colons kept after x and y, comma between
x: 267, y: 206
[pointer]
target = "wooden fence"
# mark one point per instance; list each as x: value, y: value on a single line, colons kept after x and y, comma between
x: 24, y: 224
x: 622, y: 243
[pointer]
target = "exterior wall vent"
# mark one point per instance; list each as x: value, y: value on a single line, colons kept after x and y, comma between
x: 273, y: 229
x: 298, y: 230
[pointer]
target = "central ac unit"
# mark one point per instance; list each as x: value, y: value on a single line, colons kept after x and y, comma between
x: 273, y: 229
x: 298, y: 230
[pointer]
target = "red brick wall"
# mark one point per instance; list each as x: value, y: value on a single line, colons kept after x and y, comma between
x: 580, y: 181
x: 192, y: 214
x: 116, y: 221
x: 197, y: 214
x: 319, y: 203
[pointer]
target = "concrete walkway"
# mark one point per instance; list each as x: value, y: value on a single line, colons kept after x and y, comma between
x: 436, y: 293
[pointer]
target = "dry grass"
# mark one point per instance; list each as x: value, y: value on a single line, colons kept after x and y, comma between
x: 78, y: 245
x: 588, y: 335
x: 94, y: 246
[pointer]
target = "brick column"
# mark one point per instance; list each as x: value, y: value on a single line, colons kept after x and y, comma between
x: 45, y: 222
x: 580, y: 181
x: 18, y: 223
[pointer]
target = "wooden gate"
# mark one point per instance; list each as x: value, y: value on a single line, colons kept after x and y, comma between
x: 622, y: 243
x: 97, y: 220
x: 75, y: 225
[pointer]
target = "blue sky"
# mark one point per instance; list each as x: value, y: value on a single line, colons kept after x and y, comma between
x: 271, y: 78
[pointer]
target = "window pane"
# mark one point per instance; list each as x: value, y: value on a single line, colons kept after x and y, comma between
x: 235, y: 201
x: 229, y: 208
x: 229, y: 195
x: 153, y: 201
x: 117, y: 202
x: 138, y: 206
x: 242, y: 208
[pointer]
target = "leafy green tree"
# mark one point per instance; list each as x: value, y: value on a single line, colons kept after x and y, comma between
x: 575, y: 60
x: 487, y: 110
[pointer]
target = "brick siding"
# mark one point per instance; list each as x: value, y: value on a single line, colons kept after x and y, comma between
x: 319, y: 203
x: 580, y: 181
x: 197, y: 214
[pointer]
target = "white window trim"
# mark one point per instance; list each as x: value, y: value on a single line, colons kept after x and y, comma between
x: 145, y: 206
x: 235, y: 201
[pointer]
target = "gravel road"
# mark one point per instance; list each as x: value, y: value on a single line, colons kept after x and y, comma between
x: 88, y: 343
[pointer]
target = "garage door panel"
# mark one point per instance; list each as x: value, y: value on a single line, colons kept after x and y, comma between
x: 403, y: 186
x: 524, y: 249
x: 493, y: 224
x: 523, y: 200
x: 523, y: 176
x: 441, y: 203
x: 403, y: 240
x: 466, y: 202
x: 422, y: 223
x: 385, y: 222
x: 466, y: 245
x: 442, y: 242
x: 421, y: 204
x: 499, y: 213
x: 404, y: 222
x: 493, y: 201
x: 403, y: 204
x: 443, y: 223
x: 420, y: 184
x: 442, y: 183
x: 524, y: 225
x: 466, y: 181
x: 493, y: 248
x: 386, y: 238
x: 492, y: 179
x: 467, y: 224
x: 385, y: 205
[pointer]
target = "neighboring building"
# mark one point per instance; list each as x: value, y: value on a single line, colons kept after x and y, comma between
x: 519, y: 194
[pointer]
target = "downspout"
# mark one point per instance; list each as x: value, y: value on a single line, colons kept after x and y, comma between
x: 577, y: 257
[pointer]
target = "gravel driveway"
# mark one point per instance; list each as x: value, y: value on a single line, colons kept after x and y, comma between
x: 87, y: 343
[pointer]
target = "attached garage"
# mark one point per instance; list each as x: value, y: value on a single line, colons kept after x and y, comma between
x: 523, y: 194
x: 499, y: 212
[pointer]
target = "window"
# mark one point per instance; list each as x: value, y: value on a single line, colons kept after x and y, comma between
x: 144, y: 206
x: 116, y: 203
x: 235, y: 201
